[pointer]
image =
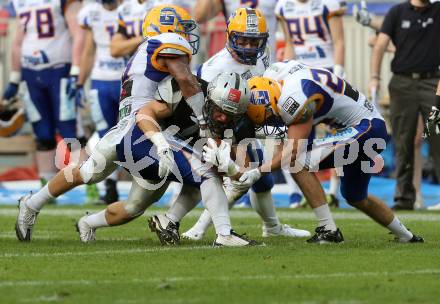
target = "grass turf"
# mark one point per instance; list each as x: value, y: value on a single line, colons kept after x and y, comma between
x: 128, y: 265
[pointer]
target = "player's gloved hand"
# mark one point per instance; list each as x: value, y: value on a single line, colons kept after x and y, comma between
x: 12, y: 88
x: 220, y: 156
x: 203, y: 128
x: 80, y: 96
x: 250, y: 177
x: 165, y: 154
x: 362, y: 16
x: 71, y: 86
x: 433, y: 121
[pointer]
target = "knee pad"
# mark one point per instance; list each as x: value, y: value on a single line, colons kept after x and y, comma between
x: 265, y: 183
x: 45, y: 144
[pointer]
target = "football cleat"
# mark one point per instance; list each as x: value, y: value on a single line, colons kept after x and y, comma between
x: 323, y: 236
x: 87, y: 234
x: 25, y: 219
x: 284, y: 230
x: 414, y: 239
x: 234, y: 240
x: 166, y: 230
x: 193, y: 234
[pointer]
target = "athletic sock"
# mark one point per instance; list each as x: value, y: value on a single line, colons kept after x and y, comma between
x: 263, y: 204
x: 216, y: 202
x: 203, y: 222
x: 324, y: 217
x: 97, y: 220
x: 399, y: 230
x: 37, y: 200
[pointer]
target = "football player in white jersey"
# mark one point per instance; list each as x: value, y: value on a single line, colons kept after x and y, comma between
x: 45, y: 55
x: 100, y: 19
x: 308, y: 96
x: 246, y: 54
x: 316, y: 29
x: 167, y: 51
x: 205, y: 10
x: 128, y: 36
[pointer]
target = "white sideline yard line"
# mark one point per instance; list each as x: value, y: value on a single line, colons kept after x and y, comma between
x: 101, y: 252
x: 301, y: 215
x: 310, y: 276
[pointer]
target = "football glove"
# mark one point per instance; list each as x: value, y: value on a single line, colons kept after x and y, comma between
x: 250, y: 177
x: 362, y: 16
x: 433, y: 121
x: 164, y: 153
x: 220, y: 156
x: 71, y: 86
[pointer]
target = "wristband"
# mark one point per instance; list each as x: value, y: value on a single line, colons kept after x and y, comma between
x: 74, y: 70
x: 15, y: 77
x: 196, y: 103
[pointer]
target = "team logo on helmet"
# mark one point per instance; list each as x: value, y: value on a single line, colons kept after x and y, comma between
x: 259, y: 97
x: 167, y: 16
x: 234, y: 95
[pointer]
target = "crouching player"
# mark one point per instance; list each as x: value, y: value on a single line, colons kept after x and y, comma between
x: 176, y: 161
x: 308, y: 96
x: 245, y: 53
x: 167, y: 51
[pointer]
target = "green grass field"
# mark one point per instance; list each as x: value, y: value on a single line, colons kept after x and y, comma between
x: 128, y: 265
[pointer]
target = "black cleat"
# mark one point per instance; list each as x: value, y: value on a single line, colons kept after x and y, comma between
x: 414, y: 239
x: 111, y: 192
x: 323, y: 236
x: 166, y: 230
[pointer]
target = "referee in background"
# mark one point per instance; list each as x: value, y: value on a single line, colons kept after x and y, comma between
x: 414, y: 29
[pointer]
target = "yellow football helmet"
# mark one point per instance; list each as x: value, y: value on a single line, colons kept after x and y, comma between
x: 170, y: 19
x: 263, y: 106
x: 12, y: 119
x: 247, y: 26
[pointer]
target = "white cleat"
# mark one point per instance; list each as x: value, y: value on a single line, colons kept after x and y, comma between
x: 25, y: 219
x: 87, y: 234
x: 193, y: 234
x: 234, y: 240
x: 434, y: 207
x: 285, y: 230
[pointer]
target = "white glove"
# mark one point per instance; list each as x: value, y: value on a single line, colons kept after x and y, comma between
x: 165, y: 154
x: 362, y: 16
x: 250, y: 177
x: 338, y: 70
x: 220, y: 156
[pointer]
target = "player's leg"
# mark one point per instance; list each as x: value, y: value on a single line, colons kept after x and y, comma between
x: 96, y: 168
x: 295, y: 194
x: 104, y: 101
x: 418, y: 164
x: 121, y: 212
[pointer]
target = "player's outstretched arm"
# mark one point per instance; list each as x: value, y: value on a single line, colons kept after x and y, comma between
x: 205, y: 10
x: 289, y: 49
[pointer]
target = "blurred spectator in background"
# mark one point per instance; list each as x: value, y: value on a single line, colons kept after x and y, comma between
x: 317, y: 35
x: 45, y: 54
x: 205, y: 10
x: 414, y: 28
x: 365, y: 18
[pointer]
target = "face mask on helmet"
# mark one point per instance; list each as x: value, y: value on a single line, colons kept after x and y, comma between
x: 247, y: 35
x: 171, y: 19
x: 108, y: 1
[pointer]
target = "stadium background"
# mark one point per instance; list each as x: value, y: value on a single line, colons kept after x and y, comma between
x: 17, y: 171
